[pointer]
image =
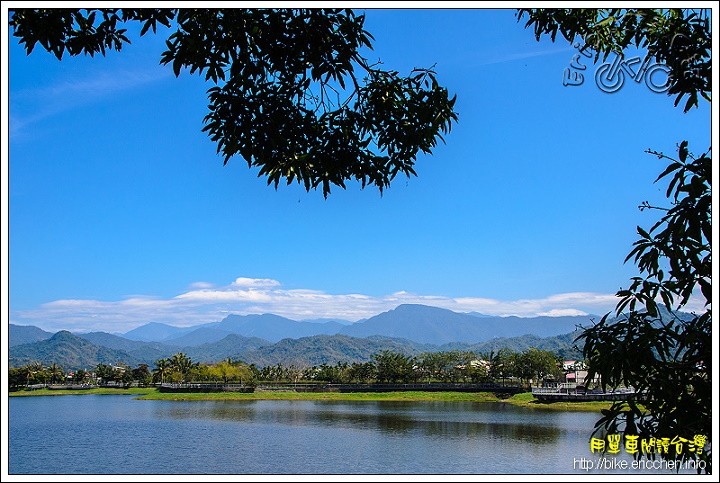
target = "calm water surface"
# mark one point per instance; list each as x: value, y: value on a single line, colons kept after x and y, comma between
x: 104, y: 434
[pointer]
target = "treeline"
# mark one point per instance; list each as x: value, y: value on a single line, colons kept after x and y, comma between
x: 35, y: 373
x: 444, y: 366
x: 385, y: 366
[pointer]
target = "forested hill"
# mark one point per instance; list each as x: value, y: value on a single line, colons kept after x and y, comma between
x: 69, y: 352
x: 73, y: 352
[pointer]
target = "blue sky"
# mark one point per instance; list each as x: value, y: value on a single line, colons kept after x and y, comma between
x: 119, y: 212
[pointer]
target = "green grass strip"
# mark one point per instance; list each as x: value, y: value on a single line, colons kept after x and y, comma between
x: 523, y: 399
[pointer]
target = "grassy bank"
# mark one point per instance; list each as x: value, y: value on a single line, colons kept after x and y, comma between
x: 526, y: 399
x: 66, y: 392
x: 328, y: 396
x: 523, y: 399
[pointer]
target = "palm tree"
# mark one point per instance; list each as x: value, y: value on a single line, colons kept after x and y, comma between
x: 182, y: 364
x: 80, y: 376
x: 55, y: 372
x: 33, y: 368
x: 163, y: 366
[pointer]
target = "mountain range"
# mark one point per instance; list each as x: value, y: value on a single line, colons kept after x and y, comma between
x: 271, y: 339
x: 420, y: 323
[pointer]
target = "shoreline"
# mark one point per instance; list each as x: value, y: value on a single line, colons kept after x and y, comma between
x: 522, y: 399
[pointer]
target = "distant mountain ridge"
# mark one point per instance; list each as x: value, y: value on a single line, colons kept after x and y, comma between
x: 419, y: 323
x: 156, y: 332
x: 275, y: 328
x: 425, y: 324
x: 267, y: 326
x: 26, y: 334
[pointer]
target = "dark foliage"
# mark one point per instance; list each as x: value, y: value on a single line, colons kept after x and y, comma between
x: 292, y: 94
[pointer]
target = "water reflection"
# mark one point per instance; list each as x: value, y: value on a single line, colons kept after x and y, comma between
x: 448, y: 420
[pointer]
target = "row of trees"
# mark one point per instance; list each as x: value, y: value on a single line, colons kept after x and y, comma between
x: 444, y: 366
x: 37, y: 373
x: 384, y: 367
x: 180, y: 368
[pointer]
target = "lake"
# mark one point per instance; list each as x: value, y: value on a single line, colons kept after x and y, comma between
x: 108, y: 434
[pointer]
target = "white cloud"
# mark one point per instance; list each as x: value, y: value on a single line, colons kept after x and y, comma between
x: 255, y: 282
x: 32, y: 105
x: 243, y: 296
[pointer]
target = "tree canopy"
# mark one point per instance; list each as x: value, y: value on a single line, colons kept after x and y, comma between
x: 292, y: 93
x: 678, y: 38
x: 651, y: 344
